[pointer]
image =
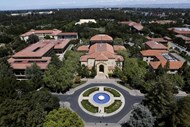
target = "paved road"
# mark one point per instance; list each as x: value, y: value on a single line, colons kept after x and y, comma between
x: 73, y: 100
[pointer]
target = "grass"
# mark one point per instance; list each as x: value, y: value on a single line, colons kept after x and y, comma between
x: 88, y: 106
x: 88, y: 92
x: 114, y: 92
x: 113, y: 107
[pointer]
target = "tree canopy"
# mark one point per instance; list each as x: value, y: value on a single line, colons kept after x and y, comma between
x: 63, y: 118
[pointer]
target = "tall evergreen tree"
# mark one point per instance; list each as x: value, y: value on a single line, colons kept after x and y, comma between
x: 160, y: 100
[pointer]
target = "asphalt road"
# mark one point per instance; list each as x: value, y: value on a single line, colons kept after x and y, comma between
x: 73, y: 100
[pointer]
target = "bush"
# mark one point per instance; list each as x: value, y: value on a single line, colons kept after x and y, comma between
x: 77, y: 79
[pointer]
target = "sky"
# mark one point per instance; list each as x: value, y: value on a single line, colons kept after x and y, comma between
x: 42, y: 4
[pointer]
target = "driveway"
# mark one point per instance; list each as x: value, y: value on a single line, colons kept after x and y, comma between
x: 130, y: 100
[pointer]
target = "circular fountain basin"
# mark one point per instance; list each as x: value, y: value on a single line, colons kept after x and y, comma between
x: 101, y: 98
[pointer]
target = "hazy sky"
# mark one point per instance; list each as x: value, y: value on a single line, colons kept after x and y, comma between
x: 34, y: 4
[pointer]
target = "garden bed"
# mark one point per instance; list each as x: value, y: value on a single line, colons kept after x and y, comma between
x: 112, y: 91
x: 113, y: 107
x: 88, y: 106
x: 89, y: 91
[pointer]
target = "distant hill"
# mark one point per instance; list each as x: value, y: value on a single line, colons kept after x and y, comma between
x: 175, y: 5
x: 181, y: 5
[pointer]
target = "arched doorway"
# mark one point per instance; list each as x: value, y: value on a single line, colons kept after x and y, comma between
x: 101, y: 68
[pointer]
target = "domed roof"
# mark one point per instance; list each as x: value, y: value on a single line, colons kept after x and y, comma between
x: 101, y: 37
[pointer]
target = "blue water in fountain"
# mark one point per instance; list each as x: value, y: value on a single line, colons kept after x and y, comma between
x: 105, y: 100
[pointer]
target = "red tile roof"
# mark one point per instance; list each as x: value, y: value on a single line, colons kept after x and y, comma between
x: 101, y: 51
x: 183, y: 31
x: 173, y: 65
x: 36, y: 53
x: 152, y: 52
x: 155, y: 45
x: 167, y: 38
x: 61, y: 44
x: 51, y: 32
x: 101, y: 37
x: 40, y: 48
x: 163, y: 40
x: 183, y: 37
x: 161, y: 60
x: 84, y: 48
x: 118, y: 47
x: 22, y: 64
x: 137, y: 26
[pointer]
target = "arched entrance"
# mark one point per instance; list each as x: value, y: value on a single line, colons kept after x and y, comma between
x: 101, y: 68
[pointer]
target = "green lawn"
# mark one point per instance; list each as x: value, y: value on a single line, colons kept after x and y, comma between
x: 88, y: 106
x: 114, y: 92
x: 113, y: 107
x: 88, y: 92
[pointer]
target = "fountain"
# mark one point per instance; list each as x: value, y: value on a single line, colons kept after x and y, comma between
x: 101, y: 97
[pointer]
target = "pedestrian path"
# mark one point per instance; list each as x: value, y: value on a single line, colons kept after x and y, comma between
x: 102, y: 125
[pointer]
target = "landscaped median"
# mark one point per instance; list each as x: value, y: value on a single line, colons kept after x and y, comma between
x: 113, y: 107
x: 88, y: 106
x: 112, y: 91
x: 89, y: 91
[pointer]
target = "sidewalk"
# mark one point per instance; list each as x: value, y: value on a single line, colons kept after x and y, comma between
x: 102, y: 125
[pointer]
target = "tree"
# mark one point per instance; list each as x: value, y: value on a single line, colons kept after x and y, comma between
x: 140, y: 117
x: 178, y: 80
x: 55, y: 61
x: 134, y: 72
x: 182, y: 114
x: 62, y: 118
x: 61, y: 79
x: 32, y: 39
x: 5, y: 51
x: 7, y: 88
x: 5, y: 69
x: 117, y: 72
x: 52, y: 79
x: 160, y: 100
x: 83, y: 71
x: 47, y: 37
x: 186, y: 74
x: 46, y: 100
x: 93, y: 72
x: 21, y: 113
x: 18, y: 44
x: 35, y: 75
x: 118, y: 41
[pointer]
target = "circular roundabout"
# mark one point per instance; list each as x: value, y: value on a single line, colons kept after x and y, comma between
x: 101, y: 101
